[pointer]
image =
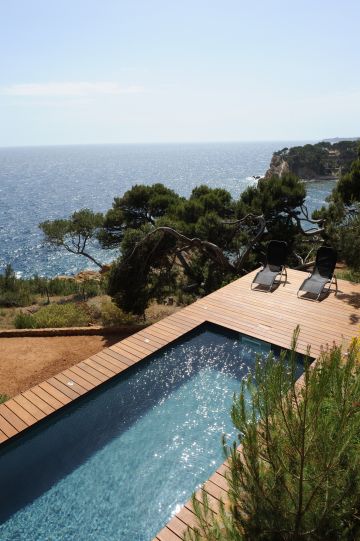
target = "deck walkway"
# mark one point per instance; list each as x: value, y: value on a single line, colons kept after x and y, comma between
x: 268, y: 316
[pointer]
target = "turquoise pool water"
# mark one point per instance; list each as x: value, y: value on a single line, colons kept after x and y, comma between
x: 118, y: 463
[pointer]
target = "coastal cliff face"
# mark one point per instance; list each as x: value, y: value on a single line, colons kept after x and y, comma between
x: 321, y: 161
x: 278, y: 166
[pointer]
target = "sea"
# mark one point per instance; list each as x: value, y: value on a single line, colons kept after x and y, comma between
x: 45, y: 183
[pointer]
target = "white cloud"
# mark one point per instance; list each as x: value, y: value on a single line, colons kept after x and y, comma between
x: 69, y: 89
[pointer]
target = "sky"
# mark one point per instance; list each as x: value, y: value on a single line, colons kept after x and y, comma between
x: 151, y: 71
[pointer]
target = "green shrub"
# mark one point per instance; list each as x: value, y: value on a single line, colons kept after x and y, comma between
x: 61, y: 315
x: 111, y: 315
x: 350, y: 275
x: 88, y: 289
x: 298, y: 473
x: 3, y: 398
x: 60, y: 286
x: 24, y: 321
x: 22, y: 291
x: 54, y: 315
x: 185, y: 298
x: 21, y: 297
x: 14, y: 291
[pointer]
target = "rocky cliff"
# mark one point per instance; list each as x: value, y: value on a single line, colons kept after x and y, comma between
x: 320, y: 161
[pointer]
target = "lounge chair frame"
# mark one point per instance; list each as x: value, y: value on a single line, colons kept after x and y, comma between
x: 323, y: 273
x: 274, y: 265
x: 326, y: 288
x: 282, y: 272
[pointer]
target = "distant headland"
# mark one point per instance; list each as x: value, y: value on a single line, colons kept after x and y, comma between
x: 321, y: 161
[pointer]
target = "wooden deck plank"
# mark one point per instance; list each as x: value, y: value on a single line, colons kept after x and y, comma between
x: 107, y: 364
x: 99, y: 365
x: 233, y: 306
x: 223, y: 469
x: 177, y: 526
x: 71, y: 383
x: 214, y: 490
x: 12, y: 418
x: 148, y: 345
x: 187, y: 516
x: 167, y: 535
x: 64, y: 389
x: 84, y: 383
x: 167, y: 329
x: 21, y: 412
x: 171, y: 329
x: 143, y: 349
x: 304, y: 309
x: 119, y: 365
x: 213, y: 502
x: 159, y: 335
x: 151, y: 338
x: 266, y: 300
x: 47, y: 397
x: 29, y: 407
x: 194, y: 319
x: 8, y: 429
x: 129, y: 351
x: 220, y: 481
x: 3, y: 437
x: 38, y: 402
x: 112, y: 353
x: 51, y: 390
x: 92, y: 371
x: 85, y: 375
x: 122, y: 351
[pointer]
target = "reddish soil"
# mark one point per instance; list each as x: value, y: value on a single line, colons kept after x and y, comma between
x: 24, y: 362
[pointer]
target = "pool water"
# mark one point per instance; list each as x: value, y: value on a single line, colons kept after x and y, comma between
x: 116, y: 464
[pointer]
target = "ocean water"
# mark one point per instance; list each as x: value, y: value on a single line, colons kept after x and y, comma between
x: 121, y: 461
x: 44, y: 183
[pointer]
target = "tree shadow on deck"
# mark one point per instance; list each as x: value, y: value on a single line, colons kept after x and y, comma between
x: 352, y: 299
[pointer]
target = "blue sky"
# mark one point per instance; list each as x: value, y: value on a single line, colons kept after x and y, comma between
x: 116, y: 71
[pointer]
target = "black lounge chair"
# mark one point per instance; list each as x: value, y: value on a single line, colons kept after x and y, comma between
x: 322, y: 275
x: 275, y: 266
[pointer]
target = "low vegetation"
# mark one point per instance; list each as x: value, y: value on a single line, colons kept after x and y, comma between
x: 349, y: 275
x: 112, y: 316
x: 297, y: 473
x: 18, y: 292
x: 54, y: 316
x: 67, y: 302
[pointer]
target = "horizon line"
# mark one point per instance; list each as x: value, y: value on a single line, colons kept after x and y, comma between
x: 180, y: 142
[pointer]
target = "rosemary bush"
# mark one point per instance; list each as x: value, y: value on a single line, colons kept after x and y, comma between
x: 297, y: 472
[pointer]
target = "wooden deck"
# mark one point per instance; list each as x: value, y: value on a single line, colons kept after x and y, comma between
x: 268, y: 316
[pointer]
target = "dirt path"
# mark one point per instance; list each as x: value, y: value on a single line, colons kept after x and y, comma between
x: 24, y: 362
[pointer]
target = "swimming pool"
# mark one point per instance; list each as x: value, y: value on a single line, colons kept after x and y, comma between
x: 117, y: 463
